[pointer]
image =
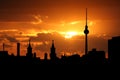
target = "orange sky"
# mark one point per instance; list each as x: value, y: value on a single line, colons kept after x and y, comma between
x: 61, y: 20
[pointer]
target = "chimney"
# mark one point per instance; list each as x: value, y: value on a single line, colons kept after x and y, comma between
x: 18, y: 49
x: 3, y: 47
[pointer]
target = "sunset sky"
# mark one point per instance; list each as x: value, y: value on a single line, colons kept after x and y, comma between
x: 61, y: 20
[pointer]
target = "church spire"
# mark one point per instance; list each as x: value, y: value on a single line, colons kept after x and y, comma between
x: 29, y: 45
x: 52, y: 51
x: 53, y: 44
x: 29, y: 49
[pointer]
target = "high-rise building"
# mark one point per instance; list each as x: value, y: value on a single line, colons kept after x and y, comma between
x: 52, y: 51
x: 114, y: 50
x: 86, y: 32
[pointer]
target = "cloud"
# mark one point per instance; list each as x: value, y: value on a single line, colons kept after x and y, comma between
x: 8, y: 45
x: 9, y: 30
x: 42, y: 43
x: 10, y: 38
x: 20, y: 10
x: 46, y: 37
x: 38, y: 19
x: 75, y: 45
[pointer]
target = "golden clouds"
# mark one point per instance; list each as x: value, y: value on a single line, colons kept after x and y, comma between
x: 38, y: 19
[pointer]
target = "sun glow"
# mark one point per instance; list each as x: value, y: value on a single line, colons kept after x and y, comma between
x: 69, y: 35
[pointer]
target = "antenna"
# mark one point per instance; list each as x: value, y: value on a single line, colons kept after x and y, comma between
x: 52, y: 41
x: 86, y: 16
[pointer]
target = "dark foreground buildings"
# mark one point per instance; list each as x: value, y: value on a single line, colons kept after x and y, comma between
x: 93, y: 57
x: 114, y: 50
x: 30, y: 58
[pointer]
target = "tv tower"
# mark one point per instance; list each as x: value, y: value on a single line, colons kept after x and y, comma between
x: 86, y: 32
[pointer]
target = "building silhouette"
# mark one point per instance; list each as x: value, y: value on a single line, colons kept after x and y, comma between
x: 3, y: 53
x: 34, y: 55
x: 73, y: 59
x: 114, y: 50
x: 91, y: 57
x: 18, y: 49
x: 45, y: 56
x: 95, y: 57
x: 3, y: 47
x: 53, y: 52
x: 86, y: 32
x: 29, y: 51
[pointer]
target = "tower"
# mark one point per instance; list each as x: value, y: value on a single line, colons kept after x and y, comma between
x: 86, y: 32
x: 52, y: 51
x: 18, y: 49
x: 29, y: 50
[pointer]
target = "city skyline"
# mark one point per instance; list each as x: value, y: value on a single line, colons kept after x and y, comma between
x: 63, y: 21
x: 93, y: 57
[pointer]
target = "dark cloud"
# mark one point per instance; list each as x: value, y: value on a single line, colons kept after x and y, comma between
x: 20, y: 27
x: 11, y: 39
x: 41, y: 37
x: 40, y: 3
x: 21, y: 10
x: 8, y: 38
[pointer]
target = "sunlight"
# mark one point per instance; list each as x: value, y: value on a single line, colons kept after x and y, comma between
x: 91, y: 23
x: 69, y: 35
x: 75, y: 22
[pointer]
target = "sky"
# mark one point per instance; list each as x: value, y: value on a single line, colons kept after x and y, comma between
x: 61, y: 20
